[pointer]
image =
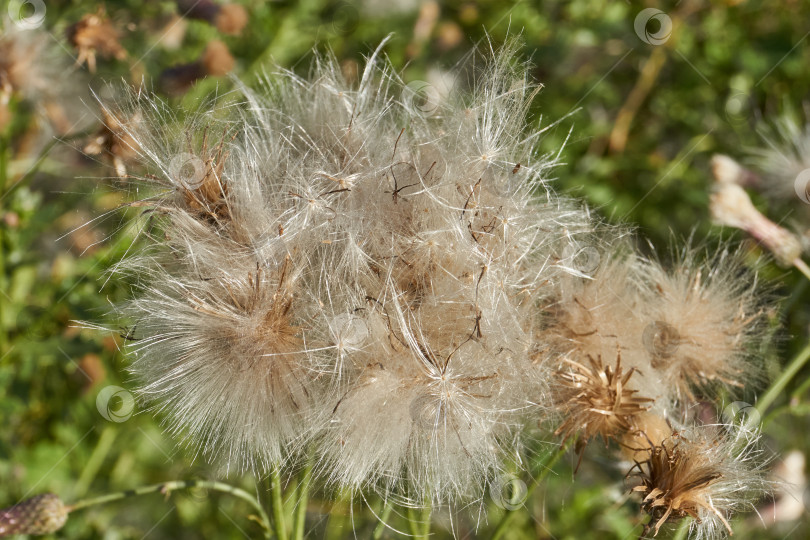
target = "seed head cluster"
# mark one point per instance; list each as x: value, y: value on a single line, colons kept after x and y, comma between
x: 388, y: 282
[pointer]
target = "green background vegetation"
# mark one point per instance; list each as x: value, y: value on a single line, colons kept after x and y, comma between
x: 727, y: 67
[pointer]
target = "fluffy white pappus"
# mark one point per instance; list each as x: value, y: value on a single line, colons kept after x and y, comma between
x: 704, y: 321
x: 706, y: 472
x: 783, y: 158
x: 338, y: 265
x: 224, y: 361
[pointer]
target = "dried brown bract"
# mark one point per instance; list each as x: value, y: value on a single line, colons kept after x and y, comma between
x: 597, y: 400
x: 95, y: 35
x: 705, y: 473
x: 115, y: 140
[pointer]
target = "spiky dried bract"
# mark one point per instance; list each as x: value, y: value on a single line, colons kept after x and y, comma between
x: 703, y: 321
x: 597, y: 401
x: 344, y: 267
x: 705, y: 472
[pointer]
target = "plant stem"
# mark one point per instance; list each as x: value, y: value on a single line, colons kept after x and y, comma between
x: 380, y: 528
x: 3, y: 180
x: 683, y: 529
x: 538, y: 477
x: 168, y: 487
x: 419, y: 522
x: 778, y: 386
x: 277, y: 503
x: 300, y: 518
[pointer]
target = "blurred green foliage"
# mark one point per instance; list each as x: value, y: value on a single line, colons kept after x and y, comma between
x: 728, y: 66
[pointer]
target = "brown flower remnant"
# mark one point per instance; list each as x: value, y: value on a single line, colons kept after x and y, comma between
x: 228, y: 18
x: 598, y: 401
x: 215, y: 61
x: 43, y: 514
x: 676, y: 481
x: 95, y: 34
x: 705, y: 472
x: 115, y: 140
x: 204, y: 191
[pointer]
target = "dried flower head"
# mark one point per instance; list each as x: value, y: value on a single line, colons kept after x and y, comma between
x: 596, y: 400
x: 702, y: 319
x: 346, y: 268
x: 706, y: 473
x: 93, y: 35
x: 114, y: 140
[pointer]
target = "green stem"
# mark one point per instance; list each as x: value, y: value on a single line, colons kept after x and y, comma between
x: 537, y: 478
x: 381, y: 526
x: 419, y: 522
x: 300, y: 518
x: 277, y: 503
x: 778, y: 386
x: 3, y: 180
x: 95, y: 461
x: 168, y: 487
x: 683, y: 529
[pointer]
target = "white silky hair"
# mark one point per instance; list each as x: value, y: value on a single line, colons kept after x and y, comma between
x: 338, y: 269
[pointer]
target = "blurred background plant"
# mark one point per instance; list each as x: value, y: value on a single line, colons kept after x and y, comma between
x: 651, y: 96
